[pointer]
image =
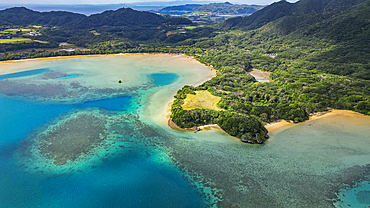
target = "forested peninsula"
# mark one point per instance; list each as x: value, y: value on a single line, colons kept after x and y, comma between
x: 318, y: 53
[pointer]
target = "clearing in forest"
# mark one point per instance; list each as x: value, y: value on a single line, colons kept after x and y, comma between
x: 201, y: 99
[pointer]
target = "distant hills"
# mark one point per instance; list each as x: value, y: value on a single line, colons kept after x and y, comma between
x: 24, y: 16
x: 120, y: 17
x: 214, y: 8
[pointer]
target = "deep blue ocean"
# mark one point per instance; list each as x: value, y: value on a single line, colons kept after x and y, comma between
x: 129, y: 179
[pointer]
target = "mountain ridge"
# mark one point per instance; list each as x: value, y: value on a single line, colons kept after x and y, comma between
x: 24, y: 16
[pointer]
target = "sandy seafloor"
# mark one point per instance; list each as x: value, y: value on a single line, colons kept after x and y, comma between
x: 136, y: 160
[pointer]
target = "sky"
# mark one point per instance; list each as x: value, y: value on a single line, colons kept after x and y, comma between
x: 64, y: 2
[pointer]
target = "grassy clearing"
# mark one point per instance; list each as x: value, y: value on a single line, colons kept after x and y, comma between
x: 202, y: 99
x: 190, y: 27
x: 14, y: 40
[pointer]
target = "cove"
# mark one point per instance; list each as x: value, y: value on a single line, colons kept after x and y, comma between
x: 161, y: 79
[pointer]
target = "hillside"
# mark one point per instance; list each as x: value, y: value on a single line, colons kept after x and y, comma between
x: 345, y: 27
x: 283, y: 8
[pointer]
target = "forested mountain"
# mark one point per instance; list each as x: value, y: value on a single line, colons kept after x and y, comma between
x: 259, y: 18
x: 344, y: 25
x: 283, y: 8
x: 23, y: 16
x: 317, y: 6
x: 83, y: 30
x: 121, y: 17
x: 214, y: 8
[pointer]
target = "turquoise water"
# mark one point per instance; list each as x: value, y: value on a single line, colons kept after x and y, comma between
x: 24, y: 73
x: 133, y: 174
x: 141, y: 163
x: 161, y: 79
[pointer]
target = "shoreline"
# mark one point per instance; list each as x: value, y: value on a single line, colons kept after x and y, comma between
x: 102, y: 55
x: 272, y: 127
x: 174, y: 126
x: 282, y: 124
x: 83, y: 56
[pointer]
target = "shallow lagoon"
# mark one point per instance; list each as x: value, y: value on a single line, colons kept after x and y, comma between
x: 140, y: 161
x: 78, y: 142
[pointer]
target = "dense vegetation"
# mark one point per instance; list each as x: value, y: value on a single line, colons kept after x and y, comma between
x: 317, y: 67
x: 283, y: 8
x: 243, y: 126
x: 322, y: 60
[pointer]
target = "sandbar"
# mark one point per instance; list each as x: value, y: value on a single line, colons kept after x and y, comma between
x: 282, y: 124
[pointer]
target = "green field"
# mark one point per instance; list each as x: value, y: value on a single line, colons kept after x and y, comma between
x: 201, y: 99
x: 14, y: 40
